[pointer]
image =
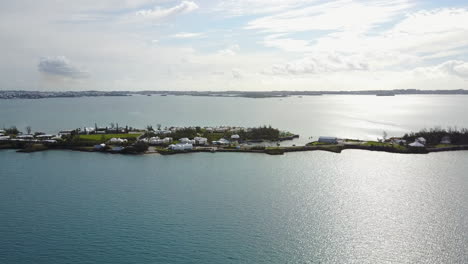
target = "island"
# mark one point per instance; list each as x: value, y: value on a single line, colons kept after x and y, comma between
x: 115, y: 139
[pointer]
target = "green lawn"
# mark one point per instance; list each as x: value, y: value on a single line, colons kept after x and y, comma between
x: 316, y: 143
x: 445, y: 146
x: 383, y: 144
x: 106, y: 137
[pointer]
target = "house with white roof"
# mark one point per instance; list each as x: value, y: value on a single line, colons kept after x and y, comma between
x: 421, y: 140
x: 446, y: 140
x: 181, y: 147
x: 167, y: 140
x: 416, y: 144
x: 201, y: 141
x: 222, y: 141
x: 329, y: 140
x: 117, y: 140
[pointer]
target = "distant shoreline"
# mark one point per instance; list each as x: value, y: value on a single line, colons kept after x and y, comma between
x: 21, y: 94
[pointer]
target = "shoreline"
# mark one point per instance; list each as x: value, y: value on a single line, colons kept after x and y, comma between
x: 270, y: 151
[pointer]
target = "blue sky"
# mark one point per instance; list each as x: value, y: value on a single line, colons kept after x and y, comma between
x: 233, y: 44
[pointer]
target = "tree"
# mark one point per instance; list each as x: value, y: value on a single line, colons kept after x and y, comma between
x: 158, y: 126
x: 12, y: 130
x: 149, y: 128
x: 28, y: 130
x: 385, y: 136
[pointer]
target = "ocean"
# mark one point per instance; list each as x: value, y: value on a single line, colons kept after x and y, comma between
x: 309, y: 207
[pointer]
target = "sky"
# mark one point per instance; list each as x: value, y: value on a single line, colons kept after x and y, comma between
x: 248, y: 45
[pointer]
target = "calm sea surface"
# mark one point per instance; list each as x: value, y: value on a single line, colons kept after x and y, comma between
x: 312, y: 207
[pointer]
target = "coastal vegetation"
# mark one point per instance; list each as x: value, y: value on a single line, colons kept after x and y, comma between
x: 435, y: 135
x: 106, y: 137
x: 221, y: 139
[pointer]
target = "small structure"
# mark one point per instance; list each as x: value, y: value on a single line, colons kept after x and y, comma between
x: 117, y: 141
x: 421, y: 140
x: 25, y: 137
x: 155, y: 141
x: 446, y: 140
x: 200, y: 141
x: 416, y: 144
x: 99, y: 147
x: 45, y: 136
x: 167, y: 140
x: 235, y: 137
x: 117, y: 149
x: 328, y: 140
x: 184, y: 140
x: 221, y: 142
x: 4, y: 137
x: 398, y: 141
x: 65, y: 132
x: 181, y: 147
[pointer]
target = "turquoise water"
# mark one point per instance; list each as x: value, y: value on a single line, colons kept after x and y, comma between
x: 315, y: 207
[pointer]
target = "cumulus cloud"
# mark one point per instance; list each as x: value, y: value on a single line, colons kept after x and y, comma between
x: 321, y: 63
x: 159, y: 13
x: 230, y: 51
x: 60, y: 66
x: 448, y: 68
x: 187, y: 35
x: 236, y: 73
x: 249, y: 7
x: 334, y: 15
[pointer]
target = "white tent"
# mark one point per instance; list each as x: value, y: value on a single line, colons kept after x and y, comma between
x: 416, y: 144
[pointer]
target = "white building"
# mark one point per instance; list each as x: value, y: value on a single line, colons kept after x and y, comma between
x: 398, y: 141
x: 446, y: 140
x: 167, y: 140
x: 4, y: 137
x: 329, y: 140
x: 421, y: 140
x: 222, y: 142
x: 155, y: 141
x: 117, y: 140
x: 25, y: 136
x: 235, y: 137
x: 201, y: 141
x: 416, y: 144
x: 184, y: 140
x: 181, y: 147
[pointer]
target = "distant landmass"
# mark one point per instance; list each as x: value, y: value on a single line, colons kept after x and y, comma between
x: 21, y: 94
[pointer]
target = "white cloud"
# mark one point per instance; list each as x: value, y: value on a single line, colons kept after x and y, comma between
x: 449, y: 68
x: 230, y: 51
x: 60, y: 66
x: 249, y: 7
x: 287, y: 44
x: 236, y: 73
x: 319, y: 63
x: 187, y: 35
x: 336, y: 15
x: 159, y: 13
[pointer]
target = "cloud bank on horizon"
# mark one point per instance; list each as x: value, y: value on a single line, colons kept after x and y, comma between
x: 233, y: 44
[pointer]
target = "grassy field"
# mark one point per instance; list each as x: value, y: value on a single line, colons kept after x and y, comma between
x: 383, y: 144
x: 106, y: 137
x: 316, y: 143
